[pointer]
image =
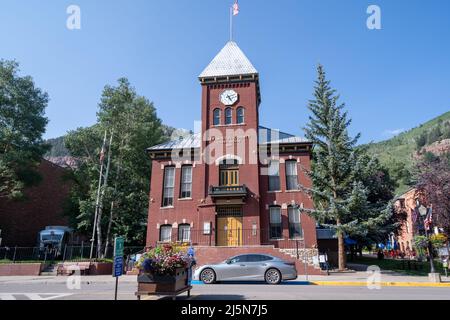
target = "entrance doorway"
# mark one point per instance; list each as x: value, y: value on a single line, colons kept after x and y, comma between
x: 229, y: 226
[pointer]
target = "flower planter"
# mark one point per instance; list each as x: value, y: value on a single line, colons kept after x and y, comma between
x: 154, y: 283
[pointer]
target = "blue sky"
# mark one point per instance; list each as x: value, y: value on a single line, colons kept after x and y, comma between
x: 390, y: 79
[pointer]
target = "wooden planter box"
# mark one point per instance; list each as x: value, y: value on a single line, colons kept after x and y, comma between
x: 151, y: 283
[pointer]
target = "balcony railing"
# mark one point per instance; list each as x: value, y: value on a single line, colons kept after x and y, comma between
x: 228, y: 191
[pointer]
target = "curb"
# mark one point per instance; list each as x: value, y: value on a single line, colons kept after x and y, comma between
x: 347, y: 283
x: 383, y: 284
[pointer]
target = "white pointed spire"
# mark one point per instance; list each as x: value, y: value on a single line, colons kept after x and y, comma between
x: 229, y: 61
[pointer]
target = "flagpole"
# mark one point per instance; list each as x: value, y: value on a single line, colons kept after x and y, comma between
x: 97, y: 201
x: 231, y: 23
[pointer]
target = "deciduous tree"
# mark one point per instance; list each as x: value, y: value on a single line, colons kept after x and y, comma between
x: 22, y: 124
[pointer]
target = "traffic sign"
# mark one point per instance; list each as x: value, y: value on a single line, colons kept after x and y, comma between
x: 118, y: 246
x: 118, y: 266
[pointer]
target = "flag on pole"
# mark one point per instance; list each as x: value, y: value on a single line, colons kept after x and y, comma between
x: 429, y: 219
x: 236, y: 8
x: 102, y: 152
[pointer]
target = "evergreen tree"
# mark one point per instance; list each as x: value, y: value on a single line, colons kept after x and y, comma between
x: 340, y: 197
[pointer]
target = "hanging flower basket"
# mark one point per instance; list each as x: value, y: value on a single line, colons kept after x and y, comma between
x: 164, y: 269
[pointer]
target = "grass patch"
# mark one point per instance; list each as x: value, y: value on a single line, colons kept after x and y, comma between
x: 415, y: 268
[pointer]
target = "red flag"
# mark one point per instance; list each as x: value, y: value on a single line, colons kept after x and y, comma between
x: 102, y: 154
x: 429, y: 219
x: 236, y: 8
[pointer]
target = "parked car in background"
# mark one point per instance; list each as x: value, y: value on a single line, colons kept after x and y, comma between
x: 253, y: 267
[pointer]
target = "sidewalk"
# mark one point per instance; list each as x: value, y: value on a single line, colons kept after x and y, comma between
x: 385, y: 278
x: 63, y: 279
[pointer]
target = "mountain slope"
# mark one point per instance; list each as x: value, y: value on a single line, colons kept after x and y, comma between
x: 398, y: 153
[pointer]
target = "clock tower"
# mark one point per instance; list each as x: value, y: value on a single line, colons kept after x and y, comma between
x: 230, y: 102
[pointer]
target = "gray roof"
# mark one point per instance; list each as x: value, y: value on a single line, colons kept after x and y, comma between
x: 229, y: 61
x: 190, y: 141
x: 265, y: 136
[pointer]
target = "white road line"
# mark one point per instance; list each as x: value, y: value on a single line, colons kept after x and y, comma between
x: 34, y: 296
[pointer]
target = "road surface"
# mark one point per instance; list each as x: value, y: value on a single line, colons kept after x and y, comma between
x: 104, y: 290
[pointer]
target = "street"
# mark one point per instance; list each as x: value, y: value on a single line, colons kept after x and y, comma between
x: 103, y: 289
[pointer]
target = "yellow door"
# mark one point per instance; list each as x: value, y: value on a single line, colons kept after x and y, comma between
x: 229, y: 231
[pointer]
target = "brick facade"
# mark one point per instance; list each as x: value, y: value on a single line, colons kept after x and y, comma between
x: 20, y: 221
x: 246, y: 148
x: 407, y: 203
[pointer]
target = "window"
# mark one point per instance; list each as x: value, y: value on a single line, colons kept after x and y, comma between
x: 275, y: 222
x: 295, y: 227
x: 216, y: 117
x: 228, y: 116
x: 184, y: 232
x: 240, y: 115
x: 229, y: 173
x: 274, y: 175
x: 165, y: 233
x: 169, y: 182
x: 186, y: 182
x: 239, y: 259
x: 291, y: 175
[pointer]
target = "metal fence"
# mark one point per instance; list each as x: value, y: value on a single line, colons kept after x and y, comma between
x: 233, y: 237
x: 76, y: 253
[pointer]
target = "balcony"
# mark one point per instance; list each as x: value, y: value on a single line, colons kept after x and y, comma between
x: 228, y: 192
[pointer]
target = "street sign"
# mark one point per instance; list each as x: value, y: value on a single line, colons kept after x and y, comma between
x: 118, y: 246
x: 118, y: 261
x: 118, y: 266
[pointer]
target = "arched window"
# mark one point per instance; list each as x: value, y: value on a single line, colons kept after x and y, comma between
x: 229, y: 173
x: 216, y: 116
x: 275, y: 222
x: 228, y: 116
x: 295, y: 227
x: 240, y: 115
x: 165, y: 233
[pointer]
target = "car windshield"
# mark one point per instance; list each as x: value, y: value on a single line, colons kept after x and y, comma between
x: 51, y: 237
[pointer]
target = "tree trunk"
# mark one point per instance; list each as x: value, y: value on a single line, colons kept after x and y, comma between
x: 341, y: 249
x: 100, y: 208
x: 108, y: 231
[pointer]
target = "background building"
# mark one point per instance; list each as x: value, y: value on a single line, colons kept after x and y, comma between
x: 43, y: 205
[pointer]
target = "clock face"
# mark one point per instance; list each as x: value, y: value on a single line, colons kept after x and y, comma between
x: 229, y: 97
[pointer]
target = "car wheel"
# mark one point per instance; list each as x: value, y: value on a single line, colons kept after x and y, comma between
x: 273, y: 276
x: 208, y: 276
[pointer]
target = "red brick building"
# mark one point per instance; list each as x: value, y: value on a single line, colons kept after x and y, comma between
x: 20, y: 221
x: 233, y: 184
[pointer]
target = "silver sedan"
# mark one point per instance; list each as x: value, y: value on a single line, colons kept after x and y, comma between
x: 257, y: 267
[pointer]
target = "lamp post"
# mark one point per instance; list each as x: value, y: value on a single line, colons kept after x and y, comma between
x: 423, y: 212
